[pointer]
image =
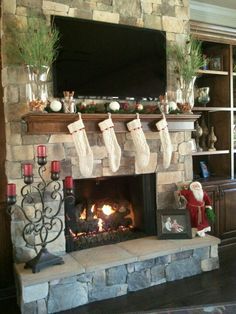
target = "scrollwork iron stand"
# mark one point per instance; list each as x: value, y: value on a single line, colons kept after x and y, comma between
x: 43, y: 226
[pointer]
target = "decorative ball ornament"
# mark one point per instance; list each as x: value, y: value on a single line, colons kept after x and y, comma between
x: 172, y: 105
x: 139, y: 107
x: 55, y: 105
x: 114, y: 105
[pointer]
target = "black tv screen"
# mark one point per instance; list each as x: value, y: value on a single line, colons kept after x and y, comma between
x: 99, y: 59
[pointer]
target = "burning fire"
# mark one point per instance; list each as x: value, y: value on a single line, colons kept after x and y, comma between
x: 103, y: 218
x: 83, y: 214
x: 107, y: 210
x: 100, y: 225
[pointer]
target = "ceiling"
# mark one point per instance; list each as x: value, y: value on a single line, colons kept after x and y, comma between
x: 231, y: 4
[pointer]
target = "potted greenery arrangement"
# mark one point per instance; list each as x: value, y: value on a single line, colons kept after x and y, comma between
x: 36, y: 46
x: 187, y: 60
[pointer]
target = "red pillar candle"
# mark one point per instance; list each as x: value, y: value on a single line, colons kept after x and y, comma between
x: 41, y: 151
x: 69, y: 182
x: 55, y: 166
x: 11, y: 189
x: 28, y: 170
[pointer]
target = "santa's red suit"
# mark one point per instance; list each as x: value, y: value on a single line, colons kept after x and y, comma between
x: 198, y: 206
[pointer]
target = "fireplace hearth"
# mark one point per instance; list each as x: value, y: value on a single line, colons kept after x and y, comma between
x: 109, y: 210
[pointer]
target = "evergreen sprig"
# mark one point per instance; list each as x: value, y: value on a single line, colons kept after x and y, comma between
x: 187, y: 59
x: 36, y: 44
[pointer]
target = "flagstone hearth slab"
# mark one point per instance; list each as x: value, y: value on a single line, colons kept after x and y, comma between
x: 103, y: 257
x: 148, y: 247
x: 197, y: 242
x: 151, y: 247
x: 70, y: 268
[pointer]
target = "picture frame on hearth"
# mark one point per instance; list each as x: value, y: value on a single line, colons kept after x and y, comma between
x: 173, y: 224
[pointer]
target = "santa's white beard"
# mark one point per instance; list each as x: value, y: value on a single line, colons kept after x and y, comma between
x: 198, y: 194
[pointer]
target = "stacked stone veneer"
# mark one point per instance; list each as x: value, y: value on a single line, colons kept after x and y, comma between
x: 101, y: 281
x: 171, y: 16
x: 75, y: 283
x: 61, y: 147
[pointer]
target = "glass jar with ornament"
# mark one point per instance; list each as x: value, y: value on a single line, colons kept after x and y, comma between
x: 69, y: 102
x: 36, y: 87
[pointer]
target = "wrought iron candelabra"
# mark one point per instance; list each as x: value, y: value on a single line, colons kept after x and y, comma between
x: 43, y: 226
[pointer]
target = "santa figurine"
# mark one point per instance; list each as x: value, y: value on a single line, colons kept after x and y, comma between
x: 198, y: 203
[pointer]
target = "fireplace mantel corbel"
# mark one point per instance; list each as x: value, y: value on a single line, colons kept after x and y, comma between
x: 51, y: 123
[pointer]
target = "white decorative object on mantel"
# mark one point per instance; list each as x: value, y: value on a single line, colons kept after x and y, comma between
x: 84, y: 151
x: 162, y: 127
x: 112, y: 146
x: 55, y: 105
x: 142, y: 151
x: 114, y: 105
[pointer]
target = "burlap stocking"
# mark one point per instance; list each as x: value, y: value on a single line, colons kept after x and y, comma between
x: 111, y: 144
x: 82, y: 146
x: 162, y: 127
x: 142, y: 151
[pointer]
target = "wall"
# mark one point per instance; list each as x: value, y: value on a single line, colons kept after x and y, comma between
x: 171, y: 16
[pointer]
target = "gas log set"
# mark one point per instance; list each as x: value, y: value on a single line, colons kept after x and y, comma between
x: 104, y: 222
x: 103, y: 216
x: 102, y: 212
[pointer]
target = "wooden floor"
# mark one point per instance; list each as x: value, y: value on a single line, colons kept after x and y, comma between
x: 213, y: 287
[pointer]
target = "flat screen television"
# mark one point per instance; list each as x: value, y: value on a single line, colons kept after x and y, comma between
x: 98, y: 59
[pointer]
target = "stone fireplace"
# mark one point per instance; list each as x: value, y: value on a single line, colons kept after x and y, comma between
x: 63, y: 148
x: 169, y: 16
x: 112, y: 270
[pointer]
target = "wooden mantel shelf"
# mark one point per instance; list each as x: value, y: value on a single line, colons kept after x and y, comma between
x: 52, y: 123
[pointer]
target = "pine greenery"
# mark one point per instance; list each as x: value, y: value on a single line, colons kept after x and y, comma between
x: 35, y: 44
x: 187, y: 59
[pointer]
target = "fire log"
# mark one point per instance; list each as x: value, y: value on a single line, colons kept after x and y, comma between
x: 87, y: 225
x: 116, y: 219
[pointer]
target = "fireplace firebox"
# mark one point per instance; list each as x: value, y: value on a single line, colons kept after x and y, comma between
x: 108, y: 210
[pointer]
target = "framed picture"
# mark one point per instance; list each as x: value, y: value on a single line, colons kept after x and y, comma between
x: 204, y: 170
x: 216, y: 63
x: 173, y: 224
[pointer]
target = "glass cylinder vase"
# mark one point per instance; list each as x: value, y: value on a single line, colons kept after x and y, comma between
x: 185, y: 94
x: 36, y: 88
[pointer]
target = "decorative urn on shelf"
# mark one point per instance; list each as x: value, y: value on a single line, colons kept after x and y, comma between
x: 203, y: 95
x: 212, y: 139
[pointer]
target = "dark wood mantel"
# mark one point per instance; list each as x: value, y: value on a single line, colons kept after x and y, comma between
x: 52, y: 123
